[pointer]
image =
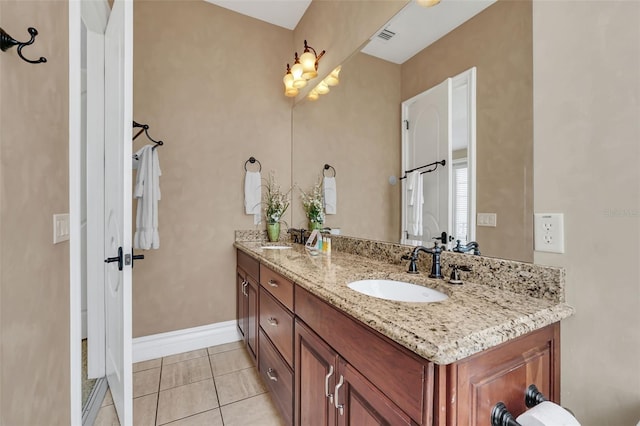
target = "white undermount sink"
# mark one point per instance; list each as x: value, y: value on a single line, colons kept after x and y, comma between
x: 275, y: 247
x: 399, y: 291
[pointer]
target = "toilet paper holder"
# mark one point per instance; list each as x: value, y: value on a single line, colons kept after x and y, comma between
x: 500, y: 415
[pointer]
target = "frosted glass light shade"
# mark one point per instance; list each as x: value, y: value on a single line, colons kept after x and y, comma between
x: 298, y: 81
x: 291, y: 93
x: 313, y: 95
x: 427, y: 3
x: 322, y: 88
x: 332, y: 79
x: 308, y: 62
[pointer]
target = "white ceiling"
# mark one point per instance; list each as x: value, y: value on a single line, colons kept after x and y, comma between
x: 415, y: 27
x: 284, y: 13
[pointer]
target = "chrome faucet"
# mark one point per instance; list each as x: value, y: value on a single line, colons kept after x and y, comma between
x: 459, y: 248
x: 436, y: 271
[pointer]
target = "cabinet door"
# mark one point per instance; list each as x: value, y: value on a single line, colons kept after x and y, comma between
x: 252, y: 317
x: 316, y: 369
x: 360, y: 403
x: 241, y: 302
x: 503, y: 374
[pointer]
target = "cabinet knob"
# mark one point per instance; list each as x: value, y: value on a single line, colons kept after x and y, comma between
x: 272, y: 283
x: 271, y: 374
x: 272, y: 321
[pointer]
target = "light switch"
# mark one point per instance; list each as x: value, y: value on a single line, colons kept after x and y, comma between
x: 60, y: 228
x: 487, y: 219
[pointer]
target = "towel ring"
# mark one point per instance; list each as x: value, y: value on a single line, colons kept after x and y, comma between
x: 252, y: 160
x: 327, y: 167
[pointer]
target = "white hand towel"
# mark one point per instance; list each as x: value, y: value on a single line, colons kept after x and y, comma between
x: 415, y: 202
x: 147, y: 191
x: 253, y: 195
x: 330, y: 195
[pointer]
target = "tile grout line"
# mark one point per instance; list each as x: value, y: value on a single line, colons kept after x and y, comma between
x: 215, y: 387
x: 155, y: 422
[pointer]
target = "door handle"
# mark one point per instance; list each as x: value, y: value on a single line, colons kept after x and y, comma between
x: 135, y: 257
x: 244, y: 288
x: 116, y: 259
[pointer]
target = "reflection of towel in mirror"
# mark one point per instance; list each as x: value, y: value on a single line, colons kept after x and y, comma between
x: 330, y: 195
x: 414, y: 203
x: 253, y: 195
x: 147, y: 191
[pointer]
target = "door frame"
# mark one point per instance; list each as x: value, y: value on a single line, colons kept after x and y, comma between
x: 94, y: 13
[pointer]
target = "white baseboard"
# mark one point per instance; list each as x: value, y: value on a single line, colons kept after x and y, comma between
x: 189, y: 339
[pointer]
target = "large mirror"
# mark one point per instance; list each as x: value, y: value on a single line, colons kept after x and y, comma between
x: 356, y: 128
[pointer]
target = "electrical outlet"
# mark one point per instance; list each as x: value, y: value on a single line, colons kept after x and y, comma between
x: 487, y: 219
x: 549, y: 232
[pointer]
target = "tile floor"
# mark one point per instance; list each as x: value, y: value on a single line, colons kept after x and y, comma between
x: 215, y: 387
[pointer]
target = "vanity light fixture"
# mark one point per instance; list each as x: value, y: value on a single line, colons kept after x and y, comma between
x: 305, y: 67
x: 332, y: 79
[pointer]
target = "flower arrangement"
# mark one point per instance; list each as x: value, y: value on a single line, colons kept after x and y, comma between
x: 313, y: 205
x: 276, y: 202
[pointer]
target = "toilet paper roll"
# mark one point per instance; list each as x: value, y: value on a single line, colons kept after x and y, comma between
x: 547, y: 414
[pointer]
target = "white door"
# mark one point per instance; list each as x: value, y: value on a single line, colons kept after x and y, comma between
x: 118, y: 147
x: 427, y: 139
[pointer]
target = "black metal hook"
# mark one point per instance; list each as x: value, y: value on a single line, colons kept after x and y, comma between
x: 327, y: 167
x: 7, y: 42
x: 252, y: 160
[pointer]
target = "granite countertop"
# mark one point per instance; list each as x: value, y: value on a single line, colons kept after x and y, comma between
x: 475, y: 317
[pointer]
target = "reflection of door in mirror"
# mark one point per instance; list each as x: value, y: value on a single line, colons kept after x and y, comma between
x: 439, y: 124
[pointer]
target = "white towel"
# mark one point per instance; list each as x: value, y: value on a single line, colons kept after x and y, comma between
x: 253, y: 195
x: 330, y: 195
x: 147, y: 191
x: 415, y: 202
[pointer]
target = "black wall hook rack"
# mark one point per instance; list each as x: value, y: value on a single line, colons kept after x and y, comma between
x: 252, y: 160
x: 145, y: 128
x: 435, y: 163
x: 327, y: 167
x: 7, y: 42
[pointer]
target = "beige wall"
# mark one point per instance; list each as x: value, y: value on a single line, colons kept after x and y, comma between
x: 34, y: 168
x: 354, y: 128
x: 498, y: 42
x: 209, y: 83
x: 586, y: 156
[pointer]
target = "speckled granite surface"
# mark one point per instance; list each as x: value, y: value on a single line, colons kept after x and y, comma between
x: 475, y: 317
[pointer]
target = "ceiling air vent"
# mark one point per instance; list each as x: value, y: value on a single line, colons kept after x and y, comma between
x: 386, y: 34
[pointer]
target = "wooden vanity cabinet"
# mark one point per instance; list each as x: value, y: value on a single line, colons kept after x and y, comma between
x: 247, y: 275
x: 305, y: 347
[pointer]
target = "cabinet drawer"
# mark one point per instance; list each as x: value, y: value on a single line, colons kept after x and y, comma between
x: 250, y: 265
x: 278, y: 378
x: 277, y: 323
x: 280, y: 287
